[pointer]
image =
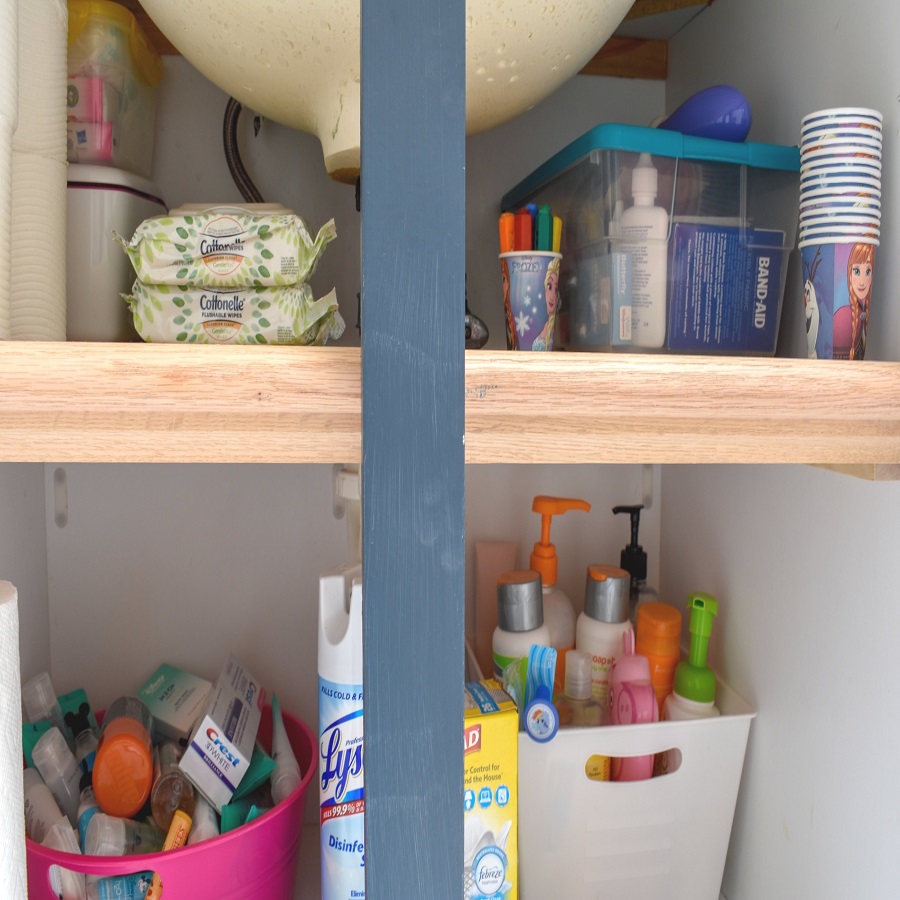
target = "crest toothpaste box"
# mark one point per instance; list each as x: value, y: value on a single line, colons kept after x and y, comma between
x: 490, y: 797
x: 221, y: 746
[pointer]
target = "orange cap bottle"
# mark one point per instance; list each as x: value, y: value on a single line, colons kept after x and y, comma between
x: 123, y: 767
x: 659, y: 639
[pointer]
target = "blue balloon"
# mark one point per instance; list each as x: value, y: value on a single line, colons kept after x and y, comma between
x: 721, y: 112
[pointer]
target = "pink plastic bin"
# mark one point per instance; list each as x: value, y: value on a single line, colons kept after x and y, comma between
x: 255, y: 861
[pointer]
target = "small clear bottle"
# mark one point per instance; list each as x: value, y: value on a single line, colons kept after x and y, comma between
x: 576, y: 705
x: 114, y: 836
x: 54, y: 760
x: 171, y: 789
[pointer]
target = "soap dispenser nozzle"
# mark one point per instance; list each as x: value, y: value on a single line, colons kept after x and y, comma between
x: 543, y: 556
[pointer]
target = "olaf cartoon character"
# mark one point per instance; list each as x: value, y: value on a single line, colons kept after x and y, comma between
x: 812, y: 306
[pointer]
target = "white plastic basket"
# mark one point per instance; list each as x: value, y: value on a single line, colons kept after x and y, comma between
x: 665, y: 838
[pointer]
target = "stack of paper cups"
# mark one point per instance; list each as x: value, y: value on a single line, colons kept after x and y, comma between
x: 840, y: 227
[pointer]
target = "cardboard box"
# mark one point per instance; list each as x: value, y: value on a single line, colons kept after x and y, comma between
x: 724, y: 293
x: 176, y: 699
x: 222, y: 743
x: 490, y: 796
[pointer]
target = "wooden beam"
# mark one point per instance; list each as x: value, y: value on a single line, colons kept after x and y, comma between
x: 622, y: 57
x: 643, y: 8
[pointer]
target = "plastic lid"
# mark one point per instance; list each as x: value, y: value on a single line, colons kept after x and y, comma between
x: 52, y: 754
x: 38, y: 697
x: 520, y: 603
x: 579, y: 666
x: 147, y: 61
x: 658, y: 629
x: 112, y: 178
x: 105, y: 836
x: 123, y: 767
x: 606, y: 593
x: 543, y: 557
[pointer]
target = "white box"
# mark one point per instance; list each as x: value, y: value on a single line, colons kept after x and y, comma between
x: 665, y: 838
x: 222, y: 743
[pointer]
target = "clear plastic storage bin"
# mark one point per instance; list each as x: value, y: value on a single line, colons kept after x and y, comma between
x: 709, y: 279
x: 113, y: 73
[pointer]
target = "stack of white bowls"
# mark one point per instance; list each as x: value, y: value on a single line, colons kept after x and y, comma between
x: 840, y: 177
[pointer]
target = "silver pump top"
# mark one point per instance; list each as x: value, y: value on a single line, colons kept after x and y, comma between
x: 520, y: 601
x: 606, y: 593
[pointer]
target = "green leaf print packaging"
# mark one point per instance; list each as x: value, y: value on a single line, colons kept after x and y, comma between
x: 261, y: 315
x: 226, y: 249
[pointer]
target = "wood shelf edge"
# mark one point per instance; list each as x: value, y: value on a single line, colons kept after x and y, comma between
x: 71, y: 402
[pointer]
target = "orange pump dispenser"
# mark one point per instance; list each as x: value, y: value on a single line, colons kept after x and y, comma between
x: 559, y: 614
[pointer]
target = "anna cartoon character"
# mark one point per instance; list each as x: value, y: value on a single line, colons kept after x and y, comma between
x: 859, y: 283
x: 544, y: 341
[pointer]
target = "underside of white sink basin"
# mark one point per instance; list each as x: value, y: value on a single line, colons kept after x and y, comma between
x: 297, y: 61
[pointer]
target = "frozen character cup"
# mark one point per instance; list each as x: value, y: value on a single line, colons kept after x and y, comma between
x: 532, y: 302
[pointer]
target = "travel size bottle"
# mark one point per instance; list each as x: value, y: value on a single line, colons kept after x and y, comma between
x: 576, y: 704
x: 520, y: 618
x: 600, y: 627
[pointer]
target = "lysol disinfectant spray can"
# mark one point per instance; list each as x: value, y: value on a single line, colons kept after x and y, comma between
x: 341, y: 794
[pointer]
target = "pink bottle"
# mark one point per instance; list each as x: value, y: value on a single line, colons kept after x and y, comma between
x: 632, y: 699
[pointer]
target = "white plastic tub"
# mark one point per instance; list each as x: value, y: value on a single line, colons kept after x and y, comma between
x: 661, y: 839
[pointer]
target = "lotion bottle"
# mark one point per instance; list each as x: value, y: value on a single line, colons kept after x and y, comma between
x: 559, y: 613
x: 633, y: 560
x: 600, y: 628
x: 644, y: 233
x: 520, y: 618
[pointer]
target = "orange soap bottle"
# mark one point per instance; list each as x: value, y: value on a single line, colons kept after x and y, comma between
x: 659, y: 639
x: 123, y: 766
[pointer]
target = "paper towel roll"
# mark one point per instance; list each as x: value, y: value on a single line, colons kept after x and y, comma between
x: 12, y: 801
x: 37, y: 290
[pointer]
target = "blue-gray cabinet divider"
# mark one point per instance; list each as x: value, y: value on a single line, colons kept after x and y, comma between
x: 413, y: 289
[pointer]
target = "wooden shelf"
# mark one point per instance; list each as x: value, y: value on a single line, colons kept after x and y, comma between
x: 169, y: 403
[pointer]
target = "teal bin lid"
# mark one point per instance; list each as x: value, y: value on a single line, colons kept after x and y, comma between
x: 657, y: 142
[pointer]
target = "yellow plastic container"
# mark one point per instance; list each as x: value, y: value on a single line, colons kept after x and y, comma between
x: 113, y: 74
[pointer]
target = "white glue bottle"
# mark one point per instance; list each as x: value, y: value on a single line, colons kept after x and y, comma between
x: 600, y: 627
x: 559, y: 613
x: 644, y: 231
x: 341, y: 790
x: 520, y: 619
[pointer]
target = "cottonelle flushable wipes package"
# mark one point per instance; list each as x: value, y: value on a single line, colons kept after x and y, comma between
x: 226, y: 249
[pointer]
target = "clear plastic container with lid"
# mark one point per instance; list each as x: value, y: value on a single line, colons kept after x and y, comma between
x: 171, y: 789
x: 113, y: 73
x: 123, y: 767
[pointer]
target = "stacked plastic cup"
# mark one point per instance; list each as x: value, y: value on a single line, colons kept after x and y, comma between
x: 840, y: 227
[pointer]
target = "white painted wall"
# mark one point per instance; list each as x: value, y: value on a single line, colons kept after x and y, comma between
x: 803, y: 561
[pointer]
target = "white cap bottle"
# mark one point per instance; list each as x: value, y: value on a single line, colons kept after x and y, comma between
x: 599, y: 629
x: 42, y: 812
x: 54, y: 760
x: 520, y: 618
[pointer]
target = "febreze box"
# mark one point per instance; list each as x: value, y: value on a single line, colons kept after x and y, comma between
x: 491, y: 806
x: 222, y: 743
